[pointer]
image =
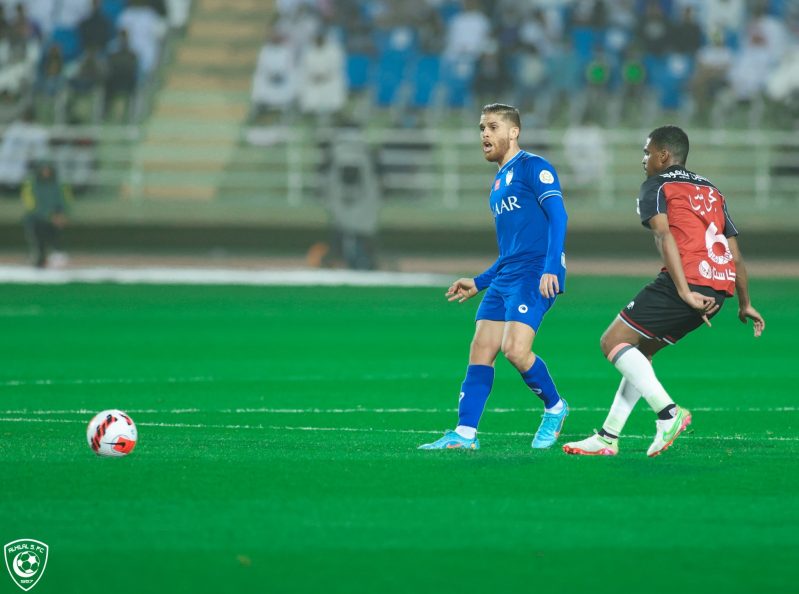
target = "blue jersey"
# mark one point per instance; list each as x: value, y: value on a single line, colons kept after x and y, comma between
x: 530, y: 220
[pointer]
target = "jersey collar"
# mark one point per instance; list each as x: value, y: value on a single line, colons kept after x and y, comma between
x: 513, y: 159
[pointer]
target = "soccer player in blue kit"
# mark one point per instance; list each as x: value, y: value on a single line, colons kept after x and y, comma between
x: 522, y: 284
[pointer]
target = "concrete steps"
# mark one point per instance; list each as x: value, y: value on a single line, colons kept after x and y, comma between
x: 195, y: 126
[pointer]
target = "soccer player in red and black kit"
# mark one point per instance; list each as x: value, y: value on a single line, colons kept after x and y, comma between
x: 703, y: 265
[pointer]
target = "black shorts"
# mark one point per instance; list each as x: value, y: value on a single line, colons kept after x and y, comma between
x: 658, y: 312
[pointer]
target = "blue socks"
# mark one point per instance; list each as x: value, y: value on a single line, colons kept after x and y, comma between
x: 540, y: 382
x: 474, y: 394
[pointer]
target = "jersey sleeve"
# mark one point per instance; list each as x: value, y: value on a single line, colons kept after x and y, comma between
x: 543, y: 179
x: 651, y: 199
x: 481, y: 281
x: 730, y: 230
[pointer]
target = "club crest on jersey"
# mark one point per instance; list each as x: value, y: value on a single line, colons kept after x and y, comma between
x: 546, y: 177
x: 508, y: 177
x: 506, y: 205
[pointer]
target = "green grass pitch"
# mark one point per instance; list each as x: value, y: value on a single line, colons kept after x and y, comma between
x: 277, y: 447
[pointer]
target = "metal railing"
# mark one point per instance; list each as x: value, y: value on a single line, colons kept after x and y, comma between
x: 427, y: 176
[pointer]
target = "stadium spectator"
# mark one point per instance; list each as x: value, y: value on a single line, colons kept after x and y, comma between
x: 768, y: 31
x: 783, y: 83
x: 146, y: 30
x: 24, y: 142
x: 96, y: 30
x: 322, y: 77
x: 50, y: 86
x: 299, y: 26
x: 653, y: 31
x: 726, y: 17
x: 530, y: 74
x: 178, y: 13
x: 86, y: 82
x: 45, y: 203
x: 122, y: 79
x: 713, y: 64
x: 274, y: 84
x: 67, y: 14
x: 686, y: 35
x: 22, y: 29
x: 467, y: 34
x: 534, y: 32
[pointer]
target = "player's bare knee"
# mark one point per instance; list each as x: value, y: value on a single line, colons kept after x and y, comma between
x: 482, y: 353
x: 606, y: 343
x: 517, y: 354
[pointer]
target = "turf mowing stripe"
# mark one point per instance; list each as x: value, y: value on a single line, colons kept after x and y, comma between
x: 736, y: 437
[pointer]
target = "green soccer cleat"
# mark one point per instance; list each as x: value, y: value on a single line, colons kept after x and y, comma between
x: 549, y: 429
x: 596, y: 445
x: 452, y: 441
x: 667, y: 431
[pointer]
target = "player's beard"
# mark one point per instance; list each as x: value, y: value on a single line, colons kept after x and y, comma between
x: 499, y: 150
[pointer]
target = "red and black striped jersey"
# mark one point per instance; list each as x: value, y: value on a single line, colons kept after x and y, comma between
x: 699, y: 222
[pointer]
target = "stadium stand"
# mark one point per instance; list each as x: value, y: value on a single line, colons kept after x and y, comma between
x: 224, y: 125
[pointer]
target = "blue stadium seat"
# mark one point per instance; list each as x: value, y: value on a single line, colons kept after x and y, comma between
x: 69, y: 41
x: 676, y: 74
x: 113, y: 8
x: 457, y: 76
x: 359, y: 71
x: 397, y: 49
x: 426, y: 77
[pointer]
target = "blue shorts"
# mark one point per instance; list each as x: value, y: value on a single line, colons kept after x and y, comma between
x: 522, y: 303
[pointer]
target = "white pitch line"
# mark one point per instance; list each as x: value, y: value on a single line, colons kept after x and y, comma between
x: 104, y: 382
x: 222, y: 276
x: 356, y: 410
x: 202, y: 379
x: 372, y: 430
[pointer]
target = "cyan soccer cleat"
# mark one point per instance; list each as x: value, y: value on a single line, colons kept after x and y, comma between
x: 452, y: 441
x: 550, y: 427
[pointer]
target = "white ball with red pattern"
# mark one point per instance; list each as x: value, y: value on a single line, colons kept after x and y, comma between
x: 111, y: 433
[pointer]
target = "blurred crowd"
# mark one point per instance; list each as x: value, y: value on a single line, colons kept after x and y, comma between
x: 80, y: 61
x: 606, y: 62
x: 74, y: 62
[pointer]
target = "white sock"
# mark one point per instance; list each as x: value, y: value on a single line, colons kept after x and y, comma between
x: 466, y: 432
x: 623, y: 403
x: 557, y: 408
x: 637, y: 370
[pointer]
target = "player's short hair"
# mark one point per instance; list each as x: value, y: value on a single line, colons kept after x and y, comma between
x: 507, y: 112
x: 673, y: 139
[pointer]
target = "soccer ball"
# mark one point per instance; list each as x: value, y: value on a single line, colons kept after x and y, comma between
x: 27, y: 563
x: 111, y: 433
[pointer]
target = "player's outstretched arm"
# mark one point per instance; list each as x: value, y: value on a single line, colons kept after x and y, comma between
x: 702, y: 304
x: 461, y: 290
x: 745, y: 309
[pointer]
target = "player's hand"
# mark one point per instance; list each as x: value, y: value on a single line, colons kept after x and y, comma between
x: 549, y: 285
x: 702, y: 304
x: 745, y: 313
x: 59, y: 220
x: 461, y: 290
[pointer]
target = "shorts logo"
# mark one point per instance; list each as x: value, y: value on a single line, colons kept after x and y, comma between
x: 630, y: 305
x: 461, y: 395
x: 523, y: 308
x: 705, y: 269
x: 26, y: 560
x: 546, y: 177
